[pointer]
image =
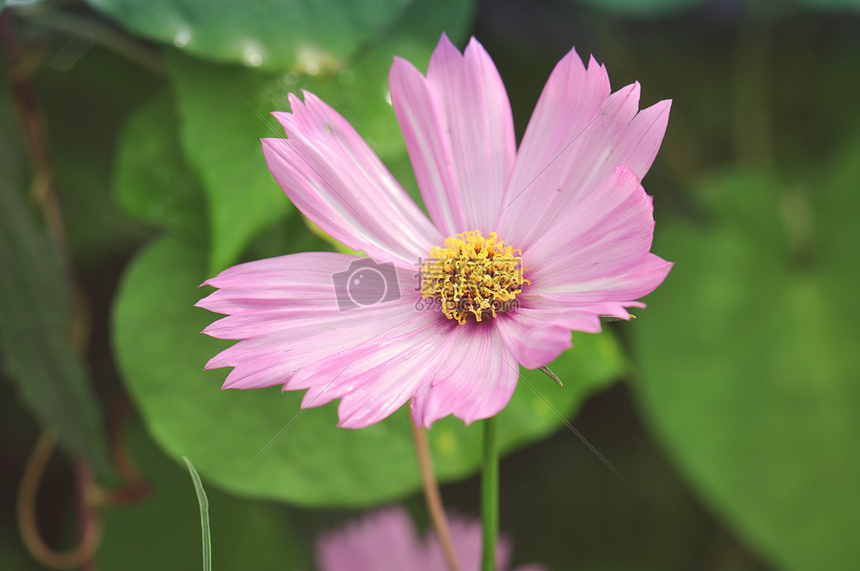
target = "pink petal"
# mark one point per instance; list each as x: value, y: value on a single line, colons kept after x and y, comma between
x: 285, y: 311
x: 374, y: 358
x: 576, y: 137
x: 467, y: 540
x: 336, y: 180
x: 378, y: 376
x: 383, y: 541
x: 387, y: 541
x: 476, y: 379
x: 532, y: 339
x: 459, y: 133
x: 445, y: 368
x: 599, y: 252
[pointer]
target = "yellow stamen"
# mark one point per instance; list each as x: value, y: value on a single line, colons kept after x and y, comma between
x: 472, y: 275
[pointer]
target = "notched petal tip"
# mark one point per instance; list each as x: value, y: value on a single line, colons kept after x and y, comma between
x: 623, y: 175
x: 295, y: 101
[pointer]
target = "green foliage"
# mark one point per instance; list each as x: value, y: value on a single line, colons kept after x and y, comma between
x: 311, y: 461
x: 84, y: 110
x: 162, y: 531
x: 223, y: 115
x: 153, y: 182
x: 266, y: 33
x: 284, y: 36
x: 750, y: 362
x: 35, y: 323
x: 225, y: 110
x: 204, y: 515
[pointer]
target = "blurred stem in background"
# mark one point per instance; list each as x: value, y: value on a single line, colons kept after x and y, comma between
x: 75, y: 331
x: 753, y: 128
x: 95, y: 31
x: 89, y: 518
x: 43, y: 193
x: 432, y: 495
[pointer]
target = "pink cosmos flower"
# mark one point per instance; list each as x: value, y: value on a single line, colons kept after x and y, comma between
x: 387, y: 541
x: 521, y: 245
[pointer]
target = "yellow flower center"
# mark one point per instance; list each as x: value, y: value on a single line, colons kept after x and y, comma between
x: 472, y: 275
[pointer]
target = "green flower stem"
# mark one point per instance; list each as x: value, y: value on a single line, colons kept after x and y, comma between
x: 490, y: 495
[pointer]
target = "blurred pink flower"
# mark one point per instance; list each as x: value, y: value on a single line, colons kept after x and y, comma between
x: 387, y: 541
x: 524, y: 246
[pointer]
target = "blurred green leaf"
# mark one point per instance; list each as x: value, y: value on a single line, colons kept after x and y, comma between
x: 750, y: 361
x: 162, y: 531
x: 13, y: 555
x: 267, y: 33
x: 283, y: 35
x: 223, y: 114
x: 649, y: 8
x: 84, y: 107
x: 310, y: 461
x: 34, y: 335
x: 152, y: 181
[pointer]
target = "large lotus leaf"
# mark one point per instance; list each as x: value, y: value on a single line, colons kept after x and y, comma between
x: 750, y: 361
x: 272, y: 34
x: 269, y: 33
x: 310, y: 461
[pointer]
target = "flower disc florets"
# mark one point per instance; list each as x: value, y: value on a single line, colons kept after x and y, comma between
x: 472, y: 275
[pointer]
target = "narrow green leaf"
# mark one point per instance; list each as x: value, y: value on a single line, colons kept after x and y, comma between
x: 34, y: 335
x: 204, y: 515
x: 162, y: 530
